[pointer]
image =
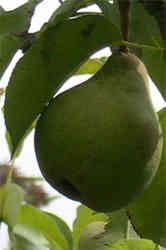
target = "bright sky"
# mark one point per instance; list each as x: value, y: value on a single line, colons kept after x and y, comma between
x: 63, y: 207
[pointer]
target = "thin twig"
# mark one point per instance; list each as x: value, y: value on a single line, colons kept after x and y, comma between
x: 142, y: 46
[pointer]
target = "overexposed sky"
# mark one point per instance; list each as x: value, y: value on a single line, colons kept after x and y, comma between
x: 27, y: 163
x: 9, y: 5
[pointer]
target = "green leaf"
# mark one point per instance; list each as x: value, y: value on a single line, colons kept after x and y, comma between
x: 66, y: 9
x: 158, y: 12
x: 93, y: 237
x: 19, y: 243
x: 10, y: 146
x: 133, y: 244
x: 50, y: 61
x: 106, y: 7
x: 17, y: 20
x: 85, y: 3
x: 156, y: 66
x: 91, y: 66
x: 143, y: 35
x: 31, y: 219
x: 98, y: 235
x: 111, y: 11
x: 27, y: 234
x: 65, y: 230
x: 20, y: 146
x: 148, y: 212
x: 119, y: 226
x: 12, y: 24
x: 11, y: 197
x: 9, y: 44
x: 85, y: 216
x: 140, y: 33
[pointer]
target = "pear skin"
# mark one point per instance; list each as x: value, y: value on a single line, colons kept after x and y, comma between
x: 100, y: 142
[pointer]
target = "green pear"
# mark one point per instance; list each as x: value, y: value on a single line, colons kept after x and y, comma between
x: 100, y: 142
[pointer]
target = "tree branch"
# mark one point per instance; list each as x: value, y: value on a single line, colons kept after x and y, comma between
x: 124, y: 9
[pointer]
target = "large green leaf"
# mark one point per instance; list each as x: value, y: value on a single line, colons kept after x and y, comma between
x: 140, y: 33
x: 49, y: 62
x: 98, y: 235
x: 17, y: 20
x: 31, y: 220
x: 133, y: 244
x: 66, y: 9
x: 93, y: 237
x: 85, y: 216
x: 18, y: 242
x: 12, y: 25
x: 9, y: 44
x: 157, y: 10
x: 111, y: 11
x: 106, y: 8
x: 69, y: 8
x: 11, y: 197
x: 148, y: 212
x: 64, y: 229
x: 119, y: 226
x: 156, y: 66
x: 149, y: 34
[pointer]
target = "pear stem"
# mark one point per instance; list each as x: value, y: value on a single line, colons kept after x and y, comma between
x: 124, y: 9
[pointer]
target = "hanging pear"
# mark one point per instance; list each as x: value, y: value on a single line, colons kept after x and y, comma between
x: 100, y: 142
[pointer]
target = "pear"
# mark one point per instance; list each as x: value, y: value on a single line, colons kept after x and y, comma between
x: 100, y: 142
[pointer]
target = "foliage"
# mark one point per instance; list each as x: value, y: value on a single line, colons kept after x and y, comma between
x: 60, y: 49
